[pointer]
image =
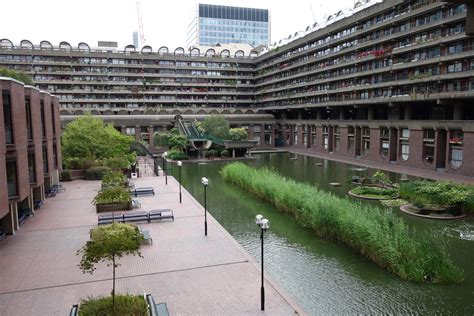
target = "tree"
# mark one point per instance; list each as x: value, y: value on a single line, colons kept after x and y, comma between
x: 18, y: 75
x: 88, y: 137
x: 110, y: 243
x: 237, y: 134
x: 217, y: 126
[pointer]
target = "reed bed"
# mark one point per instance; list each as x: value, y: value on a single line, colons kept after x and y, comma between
x: 370, y: 231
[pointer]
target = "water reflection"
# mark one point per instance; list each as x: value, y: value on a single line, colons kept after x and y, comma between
x: 325, y: 277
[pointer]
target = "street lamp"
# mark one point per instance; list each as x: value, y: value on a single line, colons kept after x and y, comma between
x: 164, y: 167
x: 205, y: 183
x: 180, y: 164
x: 264, y: 225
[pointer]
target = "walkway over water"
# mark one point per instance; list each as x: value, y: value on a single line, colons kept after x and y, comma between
x: 192, y: 273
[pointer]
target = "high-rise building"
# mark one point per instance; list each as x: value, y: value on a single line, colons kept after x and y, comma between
x: 216, y: 24
x: 135, y: 39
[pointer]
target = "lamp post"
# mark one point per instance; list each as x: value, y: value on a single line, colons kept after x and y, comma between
x: 180, y: 164
x: 164, y: 167
x: 264, y: 225
x: 205, y: 183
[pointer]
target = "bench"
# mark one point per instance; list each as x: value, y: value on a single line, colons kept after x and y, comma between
x: 159, y: 309
x: 110, y: 218
x: 74, y: 310
x: 142, y: 191
x: 58, y: 187
x: 50, y: 192
x: 146, y: 234
x: 135, y: 217
x: 37, y: 204
x: 2, y: 235
x: 160, y: 214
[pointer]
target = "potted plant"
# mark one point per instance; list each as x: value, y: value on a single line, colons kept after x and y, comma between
x: 114, y: 198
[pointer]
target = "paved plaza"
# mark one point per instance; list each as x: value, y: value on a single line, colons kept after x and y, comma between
x: 192, y: 273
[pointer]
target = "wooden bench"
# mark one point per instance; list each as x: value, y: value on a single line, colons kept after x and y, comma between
x: 146, y: 234
x: 110, y: 218
x: 142, y: 191
x: 160, y: 214
x: 159, y: 309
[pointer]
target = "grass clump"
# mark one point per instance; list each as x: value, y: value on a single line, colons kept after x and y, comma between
x: 130, y: 305
x: 372, y: 232
x: 375, y: 192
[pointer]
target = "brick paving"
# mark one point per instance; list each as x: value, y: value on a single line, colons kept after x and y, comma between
x: 193, y: 274
x: 430, y: 174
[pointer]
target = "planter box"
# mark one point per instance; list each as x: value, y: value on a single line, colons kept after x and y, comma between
x: 113, y: 207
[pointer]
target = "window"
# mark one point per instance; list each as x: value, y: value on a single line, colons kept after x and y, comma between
x: 456, y: 148
x: 428, y: 146
x: 337, y: 138
x: 7, y: 117
x: 384, y: 142
x: 365, y: 140
x: 31, y: 167
x: 350, y: 139
x: 405, y: 144
x: 130, y: 131
x: 45, y: 161
x: 325, y: 137
x: 29, y: 128
x: 55, y: 156
x: 11, y: 178
x: 53, y: 119
x: 43, y: 122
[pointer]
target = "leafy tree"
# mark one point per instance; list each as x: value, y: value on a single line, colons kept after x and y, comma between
x: 110, y: 243
x: 18, y: 75
x: 237, y: 134
x: 217, y: 126
x: 177, y: 141
x: 87, y: 137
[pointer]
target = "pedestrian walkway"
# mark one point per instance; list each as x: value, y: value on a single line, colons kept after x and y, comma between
x: 192, y: 273
x: 430, y: 174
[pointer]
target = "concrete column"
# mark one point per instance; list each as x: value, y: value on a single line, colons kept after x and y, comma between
x: 458, y: 112
x: 138, y: 133
x: 151, y: 144
x: 14, y: 212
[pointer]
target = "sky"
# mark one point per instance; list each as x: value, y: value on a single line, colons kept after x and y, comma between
x: 165, y: 21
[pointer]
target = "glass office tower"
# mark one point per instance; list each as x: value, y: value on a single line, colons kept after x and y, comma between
x: 229, y: 25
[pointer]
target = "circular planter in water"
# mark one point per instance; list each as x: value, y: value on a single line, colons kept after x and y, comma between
x: 372, y: 197
x: 441, y: 213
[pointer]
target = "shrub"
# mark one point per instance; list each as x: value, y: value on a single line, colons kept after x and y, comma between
x: 211, y: 153
x: 73, y: 163
x: 65, y: 175
x: 444, y: 193
x: 88, y: 163
x: 117, y: 163
x: 96, y: 173
x: 113, y: 178
x: 224, y: 153
x: 176, y: 155
x: 377, y: 234
x: 237, y: 134
x: 113, y: 194
x: 124, y: 305
x: 374, y: 191
x: 18, y: 75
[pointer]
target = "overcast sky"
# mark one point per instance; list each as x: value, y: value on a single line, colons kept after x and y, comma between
x: 165, y: 21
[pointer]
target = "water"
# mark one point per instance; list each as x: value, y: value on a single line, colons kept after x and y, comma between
x: 322, y: 276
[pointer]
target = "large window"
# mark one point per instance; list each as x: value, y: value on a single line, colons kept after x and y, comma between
x: 350, y: 139
x: 29, y: 127
x: 43, y: 121
x: 12, y: 178
x: 314, y: 136
x: 456, y: 138
x: 365, y: 140
x: 53, y: 120
x: 295, y: 135
x: 325, y: 137
x: 428, y: 146
x: 45, y: 161
x: 256, y: 133
x: 384, y: 142
x: 337, y: 138
x: 7, y: 117
x: 31, y: 167
x: 405, y: 144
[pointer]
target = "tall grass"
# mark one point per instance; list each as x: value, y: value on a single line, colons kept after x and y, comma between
x: 372, y: 232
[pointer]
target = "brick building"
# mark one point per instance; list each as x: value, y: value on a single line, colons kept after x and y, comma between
x: 30, y: 150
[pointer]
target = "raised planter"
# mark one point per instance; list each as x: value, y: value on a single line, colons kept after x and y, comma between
x: 372, y: 198
x: 415, y: 211
x: 78, y: 174
x: 113, y: 207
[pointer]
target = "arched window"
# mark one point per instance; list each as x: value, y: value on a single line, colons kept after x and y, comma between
x: 130, y: 48
x: 26, y: 44
x: 46, y: 45
x: 239, y: 54
x: 225, y: 53
x: 179, y: 51
x: 83, y: 47
x: 163, y: 50
x: 147, y: 49
x: 65, y: 46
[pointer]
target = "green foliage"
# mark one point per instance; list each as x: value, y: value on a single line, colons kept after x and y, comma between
x: 238, y: 134
x: 130, y: 305
x: 225, y: 153
x: 113, y: 178
x: 375, y: 233
x: 96, y: 173
x: 211, y: 153
x: 138, y: 149
x: 394, y: 203
x: 177, y: 142
x: 65, y: 175
x: 117, y: 163
x: 79, y: 163
x: 217, y: 126
x: 110, y: 243
x: 17, y: 75
x: 376, y: 192
x: 381, y: 177
x: 199, y: 127
x: 176, y: 155
x: 87, y: 137
x: 112, y: 194
x: 444, y: 193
